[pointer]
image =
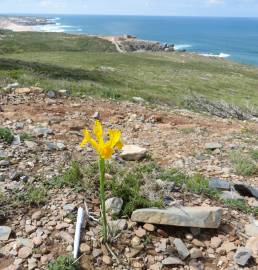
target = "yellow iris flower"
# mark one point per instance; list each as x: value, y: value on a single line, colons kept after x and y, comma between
x: 104, y: 149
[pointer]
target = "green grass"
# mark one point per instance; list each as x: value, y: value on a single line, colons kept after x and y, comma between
x: 64, y: 263
x: 128, y: 188
x: 6, y: 135
x: 26, y: 137
x: 254, y: 154
x: 243, y: 164
x: 90, y: 66
x: 72, y: 178
x: 242, y: 206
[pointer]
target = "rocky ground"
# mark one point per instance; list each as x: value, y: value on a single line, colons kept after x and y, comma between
x: 47, y: 128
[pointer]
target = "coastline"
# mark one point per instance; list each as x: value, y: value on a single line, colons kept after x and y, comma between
x: 23, y: 23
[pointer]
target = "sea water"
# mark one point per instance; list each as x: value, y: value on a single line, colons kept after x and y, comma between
x: 232, y: 38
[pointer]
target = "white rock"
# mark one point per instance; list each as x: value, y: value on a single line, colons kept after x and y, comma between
x: 133, y: 152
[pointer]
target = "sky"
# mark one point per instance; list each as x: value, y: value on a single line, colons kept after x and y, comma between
x: 232, y: 8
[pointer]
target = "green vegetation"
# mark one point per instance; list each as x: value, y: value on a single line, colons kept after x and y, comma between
x: 72, y: 178
x: 6, y: 135
x: 244, y: 164
x: 64, y: 263
x: 26, y: 137
x: 90, y: 66
x: 242, y: 206
x: 35, y: 195
x: 129, y: 189
x: 254, y: 154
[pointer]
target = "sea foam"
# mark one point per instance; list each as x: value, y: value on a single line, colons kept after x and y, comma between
x: 221, y: 55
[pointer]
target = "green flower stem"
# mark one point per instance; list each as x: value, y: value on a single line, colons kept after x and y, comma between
x: 102, y: 197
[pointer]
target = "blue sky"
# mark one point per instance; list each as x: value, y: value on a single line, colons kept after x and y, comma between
x: 242, y: 8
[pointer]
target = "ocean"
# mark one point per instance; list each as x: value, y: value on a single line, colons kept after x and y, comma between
x: 231, y: 38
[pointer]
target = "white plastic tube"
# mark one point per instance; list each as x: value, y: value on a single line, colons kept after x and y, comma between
x: 80, y: 217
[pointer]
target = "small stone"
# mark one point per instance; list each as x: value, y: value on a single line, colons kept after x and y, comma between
x: 133, y: 152
x: 228, y: 246
x: 36, y: 215
x: 215, y: 242
x: 4, y: 163
x: 15, y: 176
x: 118, y: 225
x: 172, y: 261
x: 64, y: 92
x: 140, y: 232
x: 37, y: 241
x: 30, y: 229
x: 136, y: 241
x: 181, y: 248
x: 189, y: 236
x: 5, y: 232
x: 31, y: 145
x: 251, y: 229
x: 196, y: 253
x: 149, y: 227
x: 66, y: 237
x: 107, y: 260
x: 139, y: 100
x: 42, y: 131
x: 212, y: 146
x: 61, y: 226
x: 69, y: 208
x: 2, y: 177
x: 85, y: 249
x: 24, y: 252
x: 252, y: 244
x: 242, y: 256
x: 96, y: 252
x: 51, y: 94
x: 96, y: 116
x: 114, y: 205
x: 198, y: 243
x: 32, y: 263
x: 22, y: 91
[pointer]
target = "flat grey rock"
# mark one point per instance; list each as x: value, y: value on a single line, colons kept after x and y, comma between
x: 231, y: 195
x: 217, y: 183
x: 200, y: 217
x: 242, y: 256
x: 172, y: 261
x: 213, y: 146
x: 181, y: 248
x: 5, y: 232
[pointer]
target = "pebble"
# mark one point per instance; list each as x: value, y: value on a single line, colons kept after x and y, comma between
x: 107, y: 260
x: 172, y: 261
x: 149, y: 227
x: 181, y: 248
x: 85, y: 249
x: 196, y: 253
x: 24, y: 252
x: 5, y: 232
x: 140, y: 232
x: 242, y: 256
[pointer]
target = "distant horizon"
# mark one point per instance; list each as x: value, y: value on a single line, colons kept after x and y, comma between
x: 128, y: 15
x: 169, y: 8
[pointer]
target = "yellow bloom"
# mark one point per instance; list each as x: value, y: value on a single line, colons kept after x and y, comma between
x: 104, y: 149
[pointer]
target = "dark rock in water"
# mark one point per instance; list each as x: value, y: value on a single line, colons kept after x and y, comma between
x: 245, y: 190
x: 219, y: 184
